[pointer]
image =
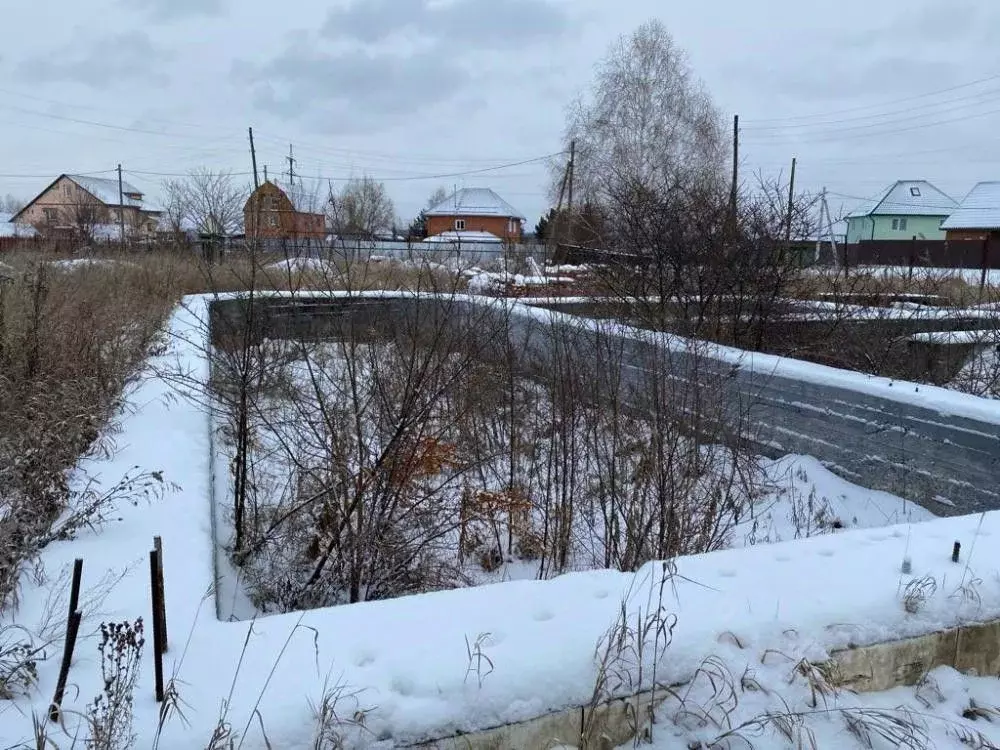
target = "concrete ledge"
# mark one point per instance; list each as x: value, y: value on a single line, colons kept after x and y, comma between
x: 973, y: 648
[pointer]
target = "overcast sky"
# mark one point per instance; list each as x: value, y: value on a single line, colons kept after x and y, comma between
x: 403, y: 89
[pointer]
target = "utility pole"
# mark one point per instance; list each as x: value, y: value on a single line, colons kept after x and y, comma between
x: 736, y: 164
x: 791, y: 200
x: 569, y: 188
x: 253, y: 158
x: 291, y: 166
x: 265, y: 173
x: 121, y: 206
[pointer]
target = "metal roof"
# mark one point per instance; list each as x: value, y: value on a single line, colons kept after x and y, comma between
x: 907, y: 198
x: 106, y: 190
x: 474, y: 202
x: 979, y: 210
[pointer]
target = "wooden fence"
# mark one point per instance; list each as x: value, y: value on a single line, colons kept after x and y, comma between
x: 923, y: 253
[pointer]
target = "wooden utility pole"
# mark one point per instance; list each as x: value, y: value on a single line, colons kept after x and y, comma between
x: 736, y: 164
x: 791, y: 202
x: 265, y: 173
x: 121, y: 206
x: 569, y: 190
x: 291, y: 166
x: 253, y: 158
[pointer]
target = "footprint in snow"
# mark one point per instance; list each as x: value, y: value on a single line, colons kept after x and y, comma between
x: 543, y: 616
x: 364, y: 660
x: 402, y: 685
x: 600, y: 594
x: 727, y: 573
x: 826, y: 553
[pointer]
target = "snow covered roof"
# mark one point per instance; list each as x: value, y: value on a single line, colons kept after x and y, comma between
x: 907, y: 198
x: 474, y: 202
x: 464, y: 236
x: 979, y: 210
x: 106, y: 190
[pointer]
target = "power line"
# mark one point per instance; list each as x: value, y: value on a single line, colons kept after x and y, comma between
x: 836, y: 135
x: 379, y: 179
x: 990, y: 96
x: 861, y: 108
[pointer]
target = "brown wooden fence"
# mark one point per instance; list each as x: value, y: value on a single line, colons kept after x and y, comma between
x: 923, y: 253
x: 15, y: 244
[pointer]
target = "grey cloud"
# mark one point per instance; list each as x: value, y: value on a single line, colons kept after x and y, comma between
x: 350, y: 90
x: 126, y: 56
x: 935, y: 23
x: 170, y: 10
x: 464, y: 23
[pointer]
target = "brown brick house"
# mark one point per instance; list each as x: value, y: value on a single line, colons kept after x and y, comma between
x: 475, y: 210
x: 283, y: 215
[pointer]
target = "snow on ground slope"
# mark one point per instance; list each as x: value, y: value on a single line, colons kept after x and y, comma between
x: 408, y: 660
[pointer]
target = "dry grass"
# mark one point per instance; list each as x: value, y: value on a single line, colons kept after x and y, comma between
x: 955, y: 289
x: 73, y: 334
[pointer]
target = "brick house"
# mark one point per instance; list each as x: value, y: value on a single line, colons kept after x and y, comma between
x: 282, y: 215
x: 475, y: 210
x: 89, y: 206
x: 977, y: 216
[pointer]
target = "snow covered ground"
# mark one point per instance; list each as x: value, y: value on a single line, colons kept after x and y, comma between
x: 429, y: 665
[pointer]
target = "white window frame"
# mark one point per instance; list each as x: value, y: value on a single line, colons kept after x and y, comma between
x: 902, y: 224
x: 895, y: 225
x: 459, y: 225
x: 915, y: 191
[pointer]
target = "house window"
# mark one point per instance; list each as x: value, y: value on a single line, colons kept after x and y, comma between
x: 915, y: 192
x: 68, y: 189
x: 899, y: 225
x: 49, y: 214
x: 272, y: 220
x: 459, y: 225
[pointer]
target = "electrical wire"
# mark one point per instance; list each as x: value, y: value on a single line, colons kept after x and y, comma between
x: 990, y: 96
x: 861, y: 108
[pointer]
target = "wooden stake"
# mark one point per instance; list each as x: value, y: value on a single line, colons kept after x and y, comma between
x: 158, y: 546
x: 72, y: 631
x: 74, y: 591
x: 154, y: 567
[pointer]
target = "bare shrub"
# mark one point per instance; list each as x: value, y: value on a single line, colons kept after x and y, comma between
x: 19, y: 657
x: 110, y: 714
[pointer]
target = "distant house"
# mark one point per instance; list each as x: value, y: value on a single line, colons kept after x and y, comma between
x: 90, y: 206
x: 978, y: 215
x: 276, y: 213
x: 906, y: 209
x: 475, y: 210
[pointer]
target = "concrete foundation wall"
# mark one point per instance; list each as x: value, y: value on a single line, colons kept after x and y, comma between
x: 908, y: 450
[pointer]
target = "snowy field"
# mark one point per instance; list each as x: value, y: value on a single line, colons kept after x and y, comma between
x: 419, y: 667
